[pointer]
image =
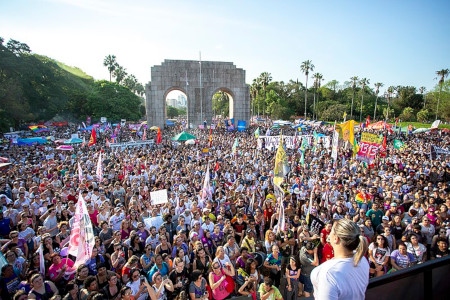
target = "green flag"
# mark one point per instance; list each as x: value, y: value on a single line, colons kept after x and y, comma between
x: 399, y: 145
x: 257, y: 133
x: 304, y: 144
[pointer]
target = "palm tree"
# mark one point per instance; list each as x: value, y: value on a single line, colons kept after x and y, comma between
x: 422, y: 90
x: 390, y: 91
x: 443, y: 74
x: 363, y: 83
x: 377, y: 91
x: 306, y: 66
x: 333, y: 85
x: 111, y: 63
x: 120, y: 73
x: 354, y: 80
x: 317, y: 83
x: 254, y: 90
x: 264, y: 79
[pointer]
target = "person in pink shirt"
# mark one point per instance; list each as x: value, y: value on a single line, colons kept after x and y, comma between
x: 61, y: 270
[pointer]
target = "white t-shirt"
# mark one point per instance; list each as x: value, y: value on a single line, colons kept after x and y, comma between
x: 379, y: 253
x: 331, y: 279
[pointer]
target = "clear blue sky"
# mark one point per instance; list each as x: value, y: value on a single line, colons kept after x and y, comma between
x: 400, y: 42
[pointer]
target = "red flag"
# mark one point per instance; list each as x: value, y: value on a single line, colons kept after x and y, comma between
x: 396, y: 122
x: 93, y: 138
x: 210, y: 137
x: 158, y: 137
x: 144, y: 135
x: 383, y: 147
x: 216, y: 166
x: 367, y: 121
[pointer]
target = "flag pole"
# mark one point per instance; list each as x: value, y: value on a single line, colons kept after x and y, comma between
x: 201, y: 87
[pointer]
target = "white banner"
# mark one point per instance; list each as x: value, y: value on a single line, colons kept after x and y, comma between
x: 158, y: 197
x: 272, y: 142
x: 334, y: 148
x: 132, y: 144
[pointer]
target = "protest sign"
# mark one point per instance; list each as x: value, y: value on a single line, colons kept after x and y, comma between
x: 159, y: 197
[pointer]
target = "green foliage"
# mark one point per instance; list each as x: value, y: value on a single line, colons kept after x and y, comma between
x: 333, y: 112
x: 221, y: 104
x: 173, y: 112
x: 37, y: 88
x: 113, y: 101
x: 407, y: 114
x: 423, y: 115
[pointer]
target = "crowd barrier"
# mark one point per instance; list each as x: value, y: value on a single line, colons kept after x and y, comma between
x: 429, y: 280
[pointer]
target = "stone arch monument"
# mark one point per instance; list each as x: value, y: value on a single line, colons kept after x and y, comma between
x: 199, y: 81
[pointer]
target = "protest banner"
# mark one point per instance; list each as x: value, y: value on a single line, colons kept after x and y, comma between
x: 272, y: 142
x: 369, y: 147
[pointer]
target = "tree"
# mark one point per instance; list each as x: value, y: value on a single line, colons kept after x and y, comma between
x: 422, y: 90
x: 113, y: 101
x: 333, y: 112
x: 111, y: 63
x: 354, y: 81
x: 317, y: 83
x: 423, y: 116
x: 407, y: 114
x: 333, y: 85
x: 119, y: 73
x: 254, y: 92
x: 363, y: 83
x: 390, y: 92
x: 221, y: 103
x: 18, y: 48
x: 305, y: 67
x: 377, y: 91
x: 443, y: 74
x: 264, y: 79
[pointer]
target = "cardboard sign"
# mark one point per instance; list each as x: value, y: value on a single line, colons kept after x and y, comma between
x: 159, y: 197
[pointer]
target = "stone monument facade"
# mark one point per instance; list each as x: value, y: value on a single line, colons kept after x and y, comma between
x: 199, y: 81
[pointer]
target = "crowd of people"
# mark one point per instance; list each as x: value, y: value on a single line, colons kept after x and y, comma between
x: 378, y: 218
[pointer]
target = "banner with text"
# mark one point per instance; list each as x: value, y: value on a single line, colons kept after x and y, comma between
x: 369, y: 146
x: 272, y: 142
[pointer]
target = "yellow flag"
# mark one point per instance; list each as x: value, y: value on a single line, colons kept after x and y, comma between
x: 346, y: 131
x: 281, y: 166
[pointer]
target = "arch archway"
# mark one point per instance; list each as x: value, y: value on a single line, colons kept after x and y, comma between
x: 199, y: 81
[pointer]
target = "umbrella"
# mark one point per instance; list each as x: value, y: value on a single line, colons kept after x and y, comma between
x: 183, y: 136
x: 420, y: 130
x: 60, y: 141
x: 154, y: 128
x: 190, y: 142
x: 65, y: 148
x: 4, y: 164
x: 73, y: 141
x: 3, y: 159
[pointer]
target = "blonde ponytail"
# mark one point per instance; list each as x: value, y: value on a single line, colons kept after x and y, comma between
x: 360, y: 250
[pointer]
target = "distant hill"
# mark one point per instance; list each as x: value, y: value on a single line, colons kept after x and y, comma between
x: 37, y: 88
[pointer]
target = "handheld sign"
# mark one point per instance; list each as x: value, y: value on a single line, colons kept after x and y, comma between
x: 159, y: 197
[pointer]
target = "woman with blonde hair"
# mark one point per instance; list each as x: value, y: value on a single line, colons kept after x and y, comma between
x: 330, y: 279
x: 269, y: 240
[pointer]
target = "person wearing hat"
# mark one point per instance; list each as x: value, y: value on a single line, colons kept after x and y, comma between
x: 207, y: 214
x: 384, y: 224
x: 116, y: 220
